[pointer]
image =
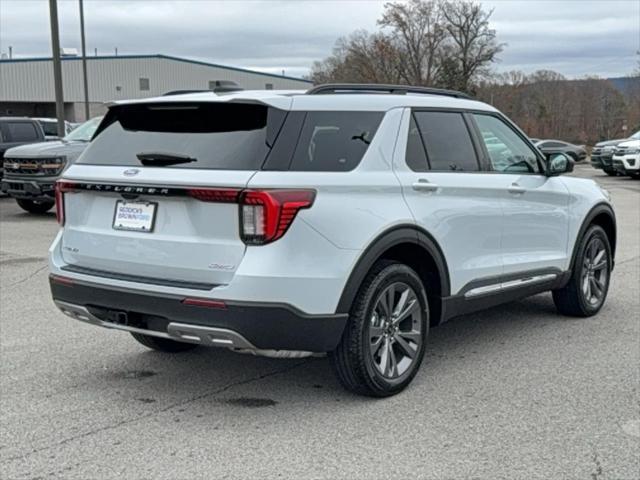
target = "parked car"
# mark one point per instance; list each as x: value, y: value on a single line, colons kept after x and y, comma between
x: 50, y: 127
x: 32, y: 170
x: 16, y: 131
x: 626, y: 158
x: 348, y: 219
x: 577, y: 152
x: 602, y: 156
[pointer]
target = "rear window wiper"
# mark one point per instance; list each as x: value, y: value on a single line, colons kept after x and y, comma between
x: 160, y: 159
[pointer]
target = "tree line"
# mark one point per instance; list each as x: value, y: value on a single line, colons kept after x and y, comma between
x: 449, y: 44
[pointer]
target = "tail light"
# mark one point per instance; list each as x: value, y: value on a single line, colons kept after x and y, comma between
x: 265, y: 215
x: 222, y: 195
x: 62, y: 187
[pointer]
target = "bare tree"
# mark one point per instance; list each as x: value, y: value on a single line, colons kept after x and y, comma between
x: 361, y: 58
x: 422, y: 42
x: 418, y: 31
x: 471, y: 45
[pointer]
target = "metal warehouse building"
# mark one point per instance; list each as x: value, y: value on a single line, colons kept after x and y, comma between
x: 27, y: 88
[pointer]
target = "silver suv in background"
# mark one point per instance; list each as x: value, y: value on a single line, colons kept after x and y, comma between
x: 30, y: 171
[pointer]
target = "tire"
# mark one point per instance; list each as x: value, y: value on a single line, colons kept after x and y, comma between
x: 38, y: 208
x: 163, y: 344
x: 611, y: 173
x: 579, y: 298
x: 383, y: 367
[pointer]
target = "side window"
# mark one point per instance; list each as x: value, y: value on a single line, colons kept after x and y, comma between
x: 334, y: 141
x: 415, y: 157
x: 509, y: 153
x: 447, y: 141
x: 22, y: 132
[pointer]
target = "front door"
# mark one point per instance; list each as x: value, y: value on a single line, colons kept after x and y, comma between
x: 536, y: 207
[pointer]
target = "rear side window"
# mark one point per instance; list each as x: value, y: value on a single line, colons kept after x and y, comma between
x: 416, y: 156
x: 215, y: 135
x: 22, y: 131
x: 447, y: 141
x: 334, y: 141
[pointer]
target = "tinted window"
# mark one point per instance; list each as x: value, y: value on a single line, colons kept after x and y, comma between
x: 446, y: 138
x: 219, y: 136
x: 22, y: 132
x: 416, y: 157
x: 334, y: 141
x: 511, y: 153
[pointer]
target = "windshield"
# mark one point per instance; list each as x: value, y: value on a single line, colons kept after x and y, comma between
x: 84, y: 132
x: 636, y: 136
x: 50, y: 128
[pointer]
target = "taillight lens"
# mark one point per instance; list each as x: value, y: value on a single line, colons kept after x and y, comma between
x: 265, y: 215
x: 62, y: 187
x: 221, y: 195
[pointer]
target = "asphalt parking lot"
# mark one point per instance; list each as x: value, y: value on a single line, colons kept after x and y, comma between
x: 512, y: 392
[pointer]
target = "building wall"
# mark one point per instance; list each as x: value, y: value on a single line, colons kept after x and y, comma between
x: 118, y: 78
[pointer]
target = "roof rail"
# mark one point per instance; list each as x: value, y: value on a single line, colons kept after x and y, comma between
x: 183, y: 92
x: 333, y: 88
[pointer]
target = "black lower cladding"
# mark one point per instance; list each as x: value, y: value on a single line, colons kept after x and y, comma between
x: 266, y: 326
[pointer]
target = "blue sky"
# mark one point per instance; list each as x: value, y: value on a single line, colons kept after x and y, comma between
x: 573, y: 37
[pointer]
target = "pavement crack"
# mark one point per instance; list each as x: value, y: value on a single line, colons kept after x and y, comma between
x: 627, y: 260
x: 28, y: 277
x: 158, y: 411
x: 598, y: 467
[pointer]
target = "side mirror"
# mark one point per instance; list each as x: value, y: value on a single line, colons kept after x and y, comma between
x: 558, y: 163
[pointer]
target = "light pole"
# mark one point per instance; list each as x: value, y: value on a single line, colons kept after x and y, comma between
x: 57, y: 66
x: 84, y: 64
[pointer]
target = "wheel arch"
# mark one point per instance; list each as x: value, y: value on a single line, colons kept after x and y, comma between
x: 413, y: 246
x: 603, y: 215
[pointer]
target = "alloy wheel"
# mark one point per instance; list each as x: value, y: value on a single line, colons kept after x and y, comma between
x: 595, y: 272
x: 395, y: 330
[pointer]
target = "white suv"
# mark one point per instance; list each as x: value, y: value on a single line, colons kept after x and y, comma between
x: 626, y: 157
x: 347, y: 219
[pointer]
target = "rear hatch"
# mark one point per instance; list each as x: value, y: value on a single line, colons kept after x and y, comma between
x: 153, y: 199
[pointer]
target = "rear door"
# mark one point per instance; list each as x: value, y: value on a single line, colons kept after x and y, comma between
x: 448, y: 194
x: 154, y: 196
x: 536, y: 207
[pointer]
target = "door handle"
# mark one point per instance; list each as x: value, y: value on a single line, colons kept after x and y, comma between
x: 516, y: 189
x: 424, y: 185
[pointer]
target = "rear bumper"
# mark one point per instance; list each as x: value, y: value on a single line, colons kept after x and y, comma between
x: 41, y: 189
x: 262, y: 326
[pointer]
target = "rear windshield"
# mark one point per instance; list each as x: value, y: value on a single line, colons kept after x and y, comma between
x: 228, y: 136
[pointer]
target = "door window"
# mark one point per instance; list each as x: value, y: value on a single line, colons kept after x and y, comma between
x: 447, y: 141
x: 507, y: 151
x: 22, y: 131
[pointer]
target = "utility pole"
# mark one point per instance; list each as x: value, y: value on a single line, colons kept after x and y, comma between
x: 84, y: 64
x: 57, y: 65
